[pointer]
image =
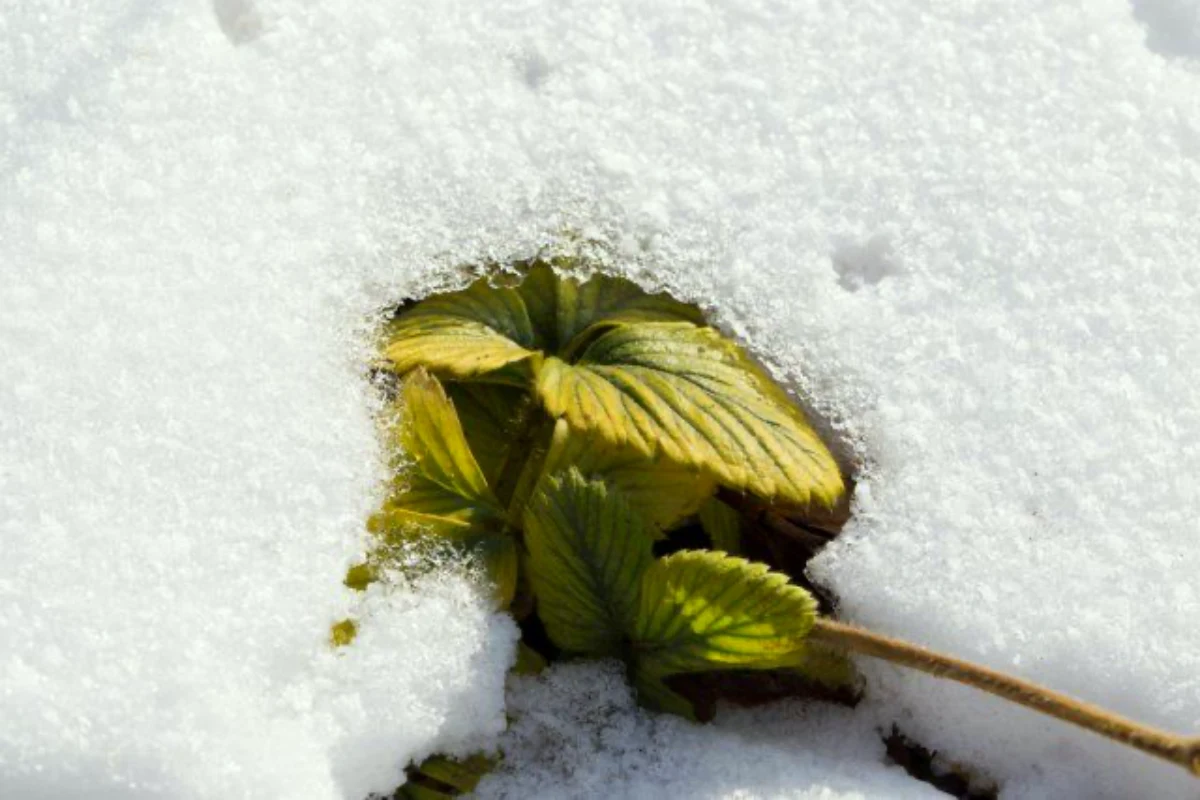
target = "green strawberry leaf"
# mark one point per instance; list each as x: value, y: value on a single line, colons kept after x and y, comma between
x: 701, y: 610
x: 479, y: 330
x: 587, y: 552
x: 698, y: 399
x: 442, y: 500
x: 661, y: 490
x: 723, y: 526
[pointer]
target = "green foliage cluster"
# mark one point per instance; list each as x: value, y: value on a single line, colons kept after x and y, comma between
x: 555, y: 429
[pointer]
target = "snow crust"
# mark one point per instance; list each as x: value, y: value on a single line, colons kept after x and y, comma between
x: 967, y: 231
x: 578, y: 733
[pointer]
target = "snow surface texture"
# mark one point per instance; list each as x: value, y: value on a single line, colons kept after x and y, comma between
x: 968, y: 231
x: 576, y: 733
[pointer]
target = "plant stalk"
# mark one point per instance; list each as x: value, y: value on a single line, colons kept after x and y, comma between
x: 1179, y: 750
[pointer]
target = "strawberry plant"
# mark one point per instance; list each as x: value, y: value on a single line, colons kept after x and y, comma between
x: 560, y: 431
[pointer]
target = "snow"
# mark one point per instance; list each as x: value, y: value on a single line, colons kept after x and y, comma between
x: 1172, y: 26
x: 967, y: 231
x: 577, y: 732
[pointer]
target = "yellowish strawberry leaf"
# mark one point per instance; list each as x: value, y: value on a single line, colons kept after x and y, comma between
x: 699, y: 400
x: 463, y: 334
x: 442, y: 500
x: 606, y: 299
x: 443, y: 483
x: 422, y: 506
x: 587, y: 552
x: 702, y: 610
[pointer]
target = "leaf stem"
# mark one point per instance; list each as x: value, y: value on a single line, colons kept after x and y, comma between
x: 1179, y: 750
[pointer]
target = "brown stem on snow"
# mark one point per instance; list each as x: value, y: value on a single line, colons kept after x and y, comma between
x: 1179, y: 750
